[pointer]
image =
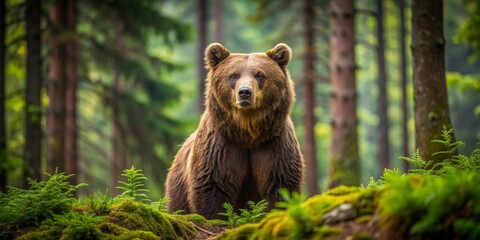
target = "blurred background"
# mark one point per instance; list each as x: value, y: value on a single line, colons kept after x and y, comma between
x: 125, y: 81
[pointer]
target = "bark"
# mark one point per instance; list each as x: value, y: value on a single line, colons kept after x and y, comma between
x: 33, y: 87
x: 430, y: 91
x: 219, y: 23
x: 56, y: 88
x: 3, y: 139
x: 403, y: 69
x: 344, y: 163
x: 309, y: 91
x: 383, y: 141
x: 71, y: 135
x: 202, y: 44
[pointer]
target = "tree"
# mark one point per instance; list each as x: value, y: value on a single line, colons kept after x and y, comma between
x: 33, y: 87
x: 3, y: 137
x: 344, y: 163
x: 202, y: 44
x: 383, y: 140
x: 309, y: 92
x: 431, y: 111
x: 56, y: 88
x: 404, y: 80
x: 71, y: 128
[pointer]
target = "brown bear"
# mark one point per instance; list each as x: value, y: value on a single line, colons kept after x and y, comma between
x: 245, y: 146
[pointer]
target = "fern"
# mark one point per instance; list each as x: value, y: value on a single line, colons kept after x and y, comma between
x: 161, y: 205
x: 230, y: 214
x: 452, y: 147
x: 42, y: 200
x: 133, y: 188
x: 423, y: 167
x: 254, y: 214
x: 292, y: 203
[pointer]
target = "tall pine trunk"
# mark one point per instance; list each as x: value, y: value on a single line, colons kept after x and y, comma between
x: 309, y: 91
x: 71, y: 153
x: 202, y: 44
x: 56, y: 88
x: 33, y: 113
x: 344, y: 166
x: 430, y: 90
x: 3, y: 136
x: 403, y: 69
x: 383, y: 140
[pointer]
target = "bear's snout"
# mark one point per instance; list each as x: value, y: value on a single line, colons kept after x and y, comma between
x: 244, y: 93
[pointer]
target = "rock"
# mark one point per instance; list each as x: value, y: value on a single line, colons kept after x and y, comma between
x: 341, y: 213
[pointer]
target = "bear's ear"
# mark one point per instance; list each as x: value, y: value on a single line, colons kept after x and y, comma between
x: 214, y: 54
x: 280, y: 54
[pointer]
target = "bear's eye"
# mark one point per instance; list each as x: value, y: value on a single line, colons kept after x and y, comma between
x: 259, y: 76
x: 233, y: 77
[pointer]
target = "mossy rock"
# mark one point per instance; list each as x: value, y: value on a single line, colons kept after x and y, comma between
x: 304, y: 221
x: 137, y: 216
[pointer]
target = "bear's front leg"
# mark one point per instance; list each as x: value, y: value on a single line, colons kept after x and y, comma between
x: 218, y: 169
x: 278, y: 164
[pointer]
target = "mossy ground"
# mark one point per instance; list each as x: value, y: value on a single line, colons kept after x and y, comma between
x: 125, y: 219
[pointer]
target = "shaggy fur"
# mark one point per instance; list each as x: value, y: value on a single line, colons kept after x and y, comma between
x: 241, y: 150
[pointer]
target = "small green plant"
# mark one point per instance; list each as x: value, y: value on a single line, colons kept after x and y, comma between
x: 452, y: 147
x: 41, y: 201
x: 98, y: 204
x: 161, y: 205
x: 133, y: 188
x: 292, y: 203
x: 254, y: 214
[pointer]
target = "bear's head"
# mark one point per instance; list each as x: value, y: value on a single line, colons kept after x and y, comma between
x: 249, y: 82
x: 252, y: 92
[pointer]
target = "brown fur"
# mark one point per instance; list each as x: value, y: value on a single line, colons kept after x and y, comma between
x: 239, y: 152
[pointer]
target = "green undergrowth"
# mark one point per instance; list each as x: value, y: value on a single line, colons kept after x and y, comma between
x: 432, y: 201
x: 298, y: 218
x: 49, y: 210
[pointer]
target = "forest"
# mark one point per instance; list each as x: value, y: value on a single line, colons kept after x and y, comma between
x: 98, y: 96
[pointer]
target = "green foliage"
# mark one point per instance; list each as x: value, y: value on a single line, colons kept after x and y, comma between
x: 435, y: 201
x: 254, y: 213
x: 98, y: 204
x: 292, y: 203
x: 133, y: 188
x: 161, y: 205
x: 432, y: 206
x: 77, y: 225
x: 41, y: 201
x: 134, y: 215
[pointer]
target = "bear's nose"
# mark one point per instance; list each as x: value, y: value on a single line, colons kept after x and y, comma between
x: 244, y: 92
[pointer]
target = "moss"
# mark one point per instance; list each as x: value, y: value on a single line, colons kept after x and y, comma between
x: 138, y: 216
x: 137, y: 234
x: 326, y: 231
x: 363, y: 219
x: 362, y: 236
x: 304, y: 221
x: 40, y: 235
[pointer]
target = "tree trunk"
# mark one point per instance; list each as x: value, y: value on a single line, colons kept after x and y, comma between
x: 71, y: 154
x: 403, y: 69
x: 430, y: 91
x: 219, y: 12
x: 202, y: 44
x: 3, y: 137
x: 383, y: 141
x: 56, y: 88
x: 33, y: 112
x: 309, y: 91
x: 344, y: 166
